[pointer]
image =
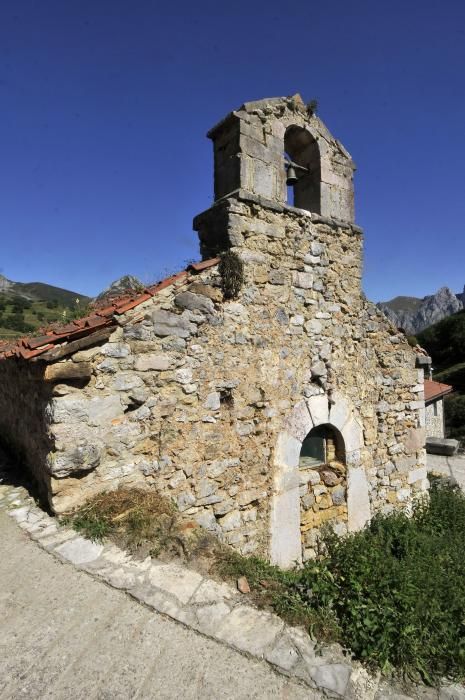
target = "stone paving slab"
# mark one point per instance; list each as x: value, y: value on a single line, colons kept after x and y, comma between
x: 216, y: 610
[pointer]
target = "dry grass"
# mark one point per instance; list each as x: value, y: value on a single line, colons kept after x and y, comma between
x: 144, y: 523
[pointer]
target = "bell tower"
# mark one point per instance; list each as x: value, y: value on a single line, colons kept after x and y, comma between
x: 277, y: 153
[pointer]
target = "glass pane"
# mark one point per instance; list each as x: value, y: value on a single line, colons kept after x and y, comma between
x: 313, y: 452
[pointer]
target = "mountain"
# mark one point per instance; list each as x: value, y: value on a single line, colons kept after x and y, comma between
x: 119, y: 287
x: 38, y: 291
x: 414, y: 315
x: 27, y: 306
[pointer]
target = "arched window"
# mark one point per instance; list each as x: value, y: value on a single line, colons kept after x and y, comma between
x: 322, y: 445
x: 302, y: 149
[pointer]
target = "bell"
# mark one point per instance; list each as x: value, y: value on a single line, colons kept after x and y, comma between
x: 291, y: 178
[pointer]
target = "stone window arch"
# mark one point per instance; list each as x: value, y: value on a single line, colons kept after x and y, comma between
x: 323, y: 485
x: 322, y: 445
x: 302, y: 148
x: 285, y: 516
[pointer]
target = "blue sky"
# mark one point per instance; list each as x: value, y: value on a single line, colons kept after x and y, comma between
x: 105, y: 104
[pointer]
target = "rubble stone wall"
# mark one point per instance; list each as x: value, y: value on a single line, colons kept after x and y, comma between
x: 209, y: 400
x: 24, y: 397
x: 435, y: 419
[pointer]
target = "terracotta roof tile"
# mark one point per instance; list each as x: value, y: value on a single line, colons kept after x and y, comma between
x: 434, y: 390
x: 28, y: 354
x: 198, y: 267
x: 30, y: 347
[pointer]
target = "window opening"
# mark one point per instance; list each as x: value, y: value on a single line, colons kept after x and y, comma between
x: 321, y: 446
x: 302, y: 152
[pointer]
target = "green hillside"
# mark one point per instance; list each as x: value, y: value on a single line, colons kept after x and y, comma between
x: 403, y: 303
x: 25, y: 307
x: 445, y: 342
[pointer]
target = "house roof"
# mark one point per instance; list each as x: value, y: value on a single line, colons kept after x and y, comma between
x: 102, y: 317
x: 436, y: 390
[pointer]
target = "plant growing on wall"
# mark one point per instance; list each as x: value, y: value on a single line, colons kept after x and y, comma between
x: 231, y: 269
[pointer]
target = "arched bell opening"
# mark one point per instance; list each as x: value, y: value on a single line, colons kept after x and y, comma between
x: 323, y: 486
x: 303, y: 169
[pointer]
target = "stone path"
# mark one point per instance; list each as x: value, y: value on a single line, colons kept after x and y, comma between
x: 64, y: 634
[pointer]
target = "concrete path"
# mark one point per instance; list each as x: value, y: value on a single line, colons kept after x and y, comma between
x: 66, y: 635
x: 449, y: 466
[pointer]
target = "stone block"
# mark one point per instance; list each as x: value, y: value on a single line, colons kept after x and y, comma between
x: 83, y: 457
x: 152, y: 361
x: 452, y: 692
x: 194, y: 302
x: 302, y: 280
x: 79, y: 551
x: 441, y: 446
x: 250, y: 496
x: 167, y: 323
x: 283, y: 654
x: 319, y: 409
x: 118, y: 350
x: 340, y: 412
x: 332, y: 677
x: 404, y: 464
x: 250, y: 630
x: 211, y: 616
x: 285, y: 545
x: 287, y: 450
x: 417, y: 475
x: 352, y: 432
x: 358, y: 499
x: 299, y: 423
x: 125, y: 381
x: 231, y: 521
x: 264, y: 179
x: 212, y: 402
x: 95, y: 411
x: 176, y: 580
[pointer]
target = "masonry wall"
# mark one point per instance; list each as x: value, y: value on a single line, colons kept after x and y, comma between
x: 435, y: 419
x: 191, y: 394
x: 24, y: 398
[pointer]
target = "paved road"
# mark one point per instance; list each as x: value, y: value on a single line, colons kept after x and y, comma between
x: 449, y: 466
x: 65, y: 635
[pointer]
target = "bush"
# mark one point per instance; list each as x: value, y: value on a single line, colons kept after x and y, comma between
x: 445, y: 341
x: 397, y: 588
x: 454, y: 407
x: 393, y: 593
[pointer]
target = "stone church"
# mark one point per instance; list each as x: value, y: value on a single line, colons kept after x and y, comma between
x: 264, y: 410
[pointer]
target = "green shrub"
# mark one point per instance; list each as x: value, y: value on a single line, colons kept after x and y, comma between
x: 454, y: 408
x: 393, y: 593
x: 397, y: 588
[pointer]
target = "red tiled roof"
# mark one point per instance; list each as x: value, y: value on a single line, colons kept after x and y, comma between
x: 435, y: 390
x: 102, y: 317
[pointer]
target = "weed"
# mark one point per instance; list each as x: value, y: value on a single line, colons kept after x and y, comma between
x: 231, y: 269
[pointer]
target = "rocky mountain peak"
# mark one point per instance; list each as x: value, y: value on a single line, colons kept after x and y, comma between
x: 429, y: 310
x: 121, y: 286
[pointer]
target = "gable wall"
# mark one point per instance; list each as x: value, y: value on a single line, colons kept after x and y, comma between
x: 192, y: 393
